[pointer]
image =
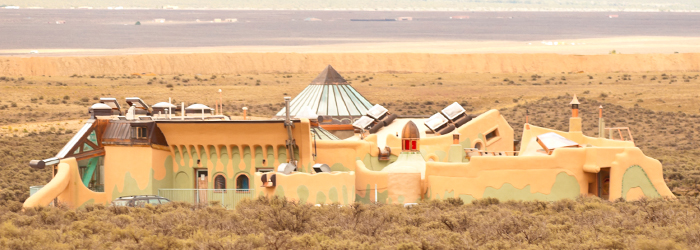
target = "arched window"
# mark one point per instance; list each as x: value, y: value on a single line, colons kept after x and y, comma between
x: 479, y: 146
x: 242, y: 182
x: 220, y: 182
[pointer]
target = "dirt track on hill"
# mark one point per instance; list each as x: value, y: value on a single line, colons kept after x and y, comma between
x: 232, y: 63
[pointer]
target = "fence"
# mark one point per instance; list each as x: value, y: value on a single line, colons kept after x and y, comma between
x: 228, y: 198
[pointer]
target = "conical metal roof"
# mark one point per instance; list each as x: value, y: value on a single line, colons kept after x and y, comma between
x: 329, y: 95
x: 329, y: 76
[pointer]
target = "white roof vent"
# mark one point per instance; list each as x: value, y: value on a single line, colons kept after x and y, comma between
x: 100, y: 106
x: 164, y: 105
x: 198, y: 106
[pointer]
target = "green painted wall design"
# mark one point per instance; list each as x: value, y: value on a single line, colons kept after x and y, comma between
x: 303, y: 193
x: 373, y: 162
x: 270, y: 157
x: 131, y: 186
x: 441, y: 155
x: 279, y: 191
x: 565, y: 187
x: 466, y: 198
x: 635, y: 176
x: 282, y: 154
x: 88, y: 202
x: 345, y: 195
x: 320, y: 198
x: 333, y: 195
x: 339, y: 167
x: 258, y: 156
x: 382, y: 197
x: 167, y: 181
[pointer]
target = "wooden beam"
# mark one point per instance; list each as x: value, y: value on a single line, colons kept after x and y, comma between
x: 89, y: 154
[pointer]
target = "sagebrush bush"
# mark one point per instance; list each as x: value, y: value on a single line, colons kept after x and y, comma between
x: 586, y: 223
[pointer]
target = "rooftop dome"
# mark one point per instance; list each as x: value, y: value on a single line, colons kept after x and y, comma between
x: 197, y: 106
x: 329, y: 95
x: 164, y: 105
x: 100, y: 106
x: 410, y: 131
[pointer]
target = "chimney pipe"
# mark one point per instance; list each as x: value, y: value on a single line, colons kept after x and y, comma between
x: 455, y: 138
x: 244, y: 112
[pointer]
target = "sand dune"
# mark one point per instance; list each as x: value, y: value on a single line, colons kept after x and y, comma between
x: 232, y: 63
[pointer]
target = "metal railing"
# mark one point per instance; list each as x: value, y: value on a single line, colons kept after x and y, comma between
x: 228, y: 198
x: 621, y: 134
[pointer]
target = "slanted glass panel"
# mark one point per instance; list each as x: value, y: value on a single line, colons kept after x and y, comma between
x: 93, y: 137
x: 153, y: 201
x: 316, y: 98
x: 360, y: 97
x: 349, y: 103
x: 312, y: 98
x: 86, y: 147
x: 342, y: 102
x: 332, y: 105
x: 323, y: 106
x: 300, y: 100
x: 356, y: 99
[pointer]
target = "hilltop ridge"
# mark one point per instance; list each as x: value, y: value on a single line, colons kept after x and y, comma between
x: 239, y: 63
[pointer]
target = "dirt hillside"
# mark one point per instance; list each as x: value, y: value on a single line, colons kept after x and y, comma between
x: 231, y: 63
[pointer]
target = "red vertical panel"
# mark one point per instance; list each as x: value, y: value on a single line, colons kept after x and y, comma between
x: 414, y: 145
x: 406, y: 145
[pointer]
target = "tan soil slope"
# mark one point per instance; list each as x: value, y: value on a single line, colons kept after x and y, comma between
x: 232, y: 63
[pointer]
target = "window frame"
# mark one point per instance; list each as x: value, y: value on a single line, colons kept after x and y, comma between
x: 238, y: 190
x: 219, y: 190
x: 493, y: 138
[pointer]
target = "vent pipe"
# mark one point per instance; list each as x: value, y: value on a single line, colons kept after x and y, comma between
x: 288, y: 123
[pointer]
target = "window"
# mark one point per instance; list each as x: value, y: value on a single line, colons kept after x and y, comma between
x: 140, y: 203
x: 478, y: 146
x: 139, y: 133
x: 154, y: 201
x: 242, y: 182
x: 491, y: 135
x: 219, y: 182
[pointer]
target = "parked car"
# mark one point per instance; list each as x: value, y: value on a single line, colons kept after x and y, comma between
x: 139, y: 200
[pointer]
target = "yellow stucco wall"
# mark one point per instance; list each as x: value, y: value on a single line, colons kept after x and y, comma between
x: 318, y: 188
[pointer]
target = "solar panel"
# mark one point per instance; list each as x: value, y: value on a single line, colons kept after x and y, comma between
x: 112, y: 102
x: 135, y: 101
x: 363, y: 123
x: 435, y: 122
x: 453, y: 111
x: 377, y: 111
x: 551, y: 141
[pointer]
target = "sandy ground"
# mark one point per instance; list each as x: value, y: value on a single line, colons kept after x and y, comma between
x: 591, y: 46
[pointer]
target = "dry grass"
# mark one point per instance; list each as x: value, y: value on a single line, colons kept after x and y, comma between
x: 664, y: 124
x: 40, y: 99
x: 587, y: 223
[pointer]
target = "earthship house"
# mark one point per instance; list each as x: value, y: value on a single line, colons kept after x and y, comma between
x: 195, y: 155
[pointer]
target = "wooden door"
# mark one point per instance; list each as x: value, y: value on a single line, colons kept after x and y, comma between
x: 202, y: 185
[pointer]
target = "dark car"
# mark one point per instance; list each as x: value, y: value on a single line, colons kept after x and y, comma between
x: 139, y: 200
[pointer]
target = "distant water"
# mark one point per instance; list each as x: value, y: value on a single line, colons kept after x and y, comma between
x: 115, y: 29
